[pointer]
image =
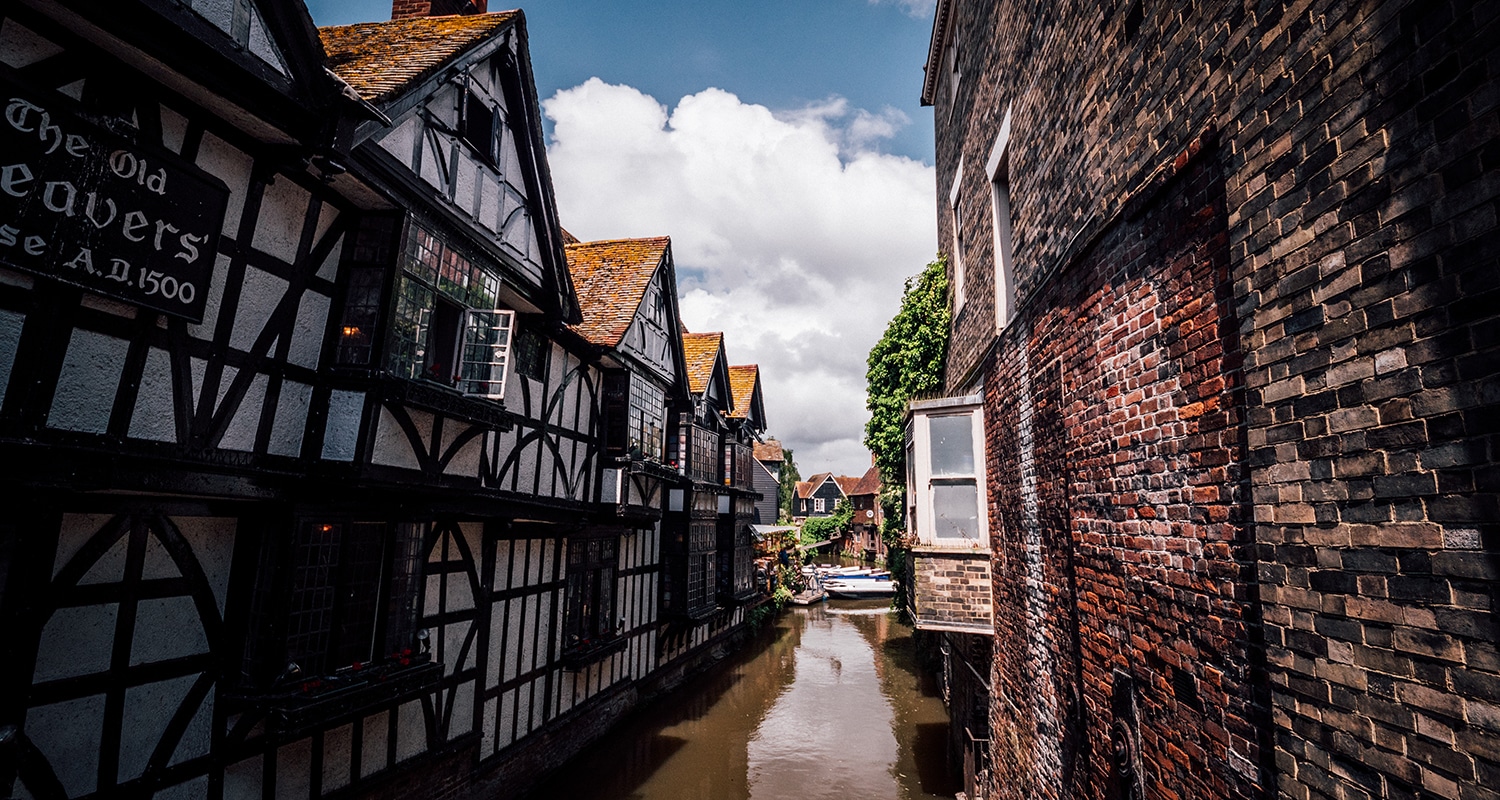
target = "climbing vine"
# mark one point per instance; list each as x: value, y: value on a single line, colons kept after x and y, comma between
x: 907, y: 362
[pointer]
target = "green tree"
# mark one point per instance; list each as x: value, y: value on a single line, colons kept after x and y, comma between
x: 907, y: 362
x: 787, y: 492
x: 821, y: 529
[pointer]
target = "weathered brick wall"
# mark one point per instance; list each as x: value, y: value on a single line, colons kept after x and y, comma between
x: 1363, y: 236
x: 1355, y: 174
x: 955, y: 589
x: 1113, y: 441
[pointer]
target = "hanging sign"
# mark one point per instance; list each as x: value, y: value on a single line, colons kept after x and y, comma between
x: 90, y: 208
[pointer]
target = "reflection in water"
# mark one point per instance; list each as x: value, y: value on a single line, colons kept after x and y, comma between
x: 827, y: 705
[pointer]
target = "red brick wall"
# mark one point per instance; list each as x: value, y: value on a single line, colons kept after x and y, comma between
x: 402, y: 9
x: 1353, y: 258
x: 1115, y: 465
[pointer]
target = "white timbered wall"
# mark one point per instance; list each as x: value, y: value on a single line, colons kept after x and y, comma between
x: 494, y: 196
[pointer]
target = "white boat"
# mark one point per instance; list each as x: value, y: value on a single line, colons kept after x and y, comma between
x: 860, y: 589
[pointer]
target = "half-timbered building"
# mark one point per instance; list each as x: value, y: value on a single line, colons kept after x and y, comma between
x: 304, y: 438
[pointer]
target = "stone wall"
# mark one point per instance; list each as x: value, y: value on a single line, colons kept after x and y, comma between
x: 1242, y: 453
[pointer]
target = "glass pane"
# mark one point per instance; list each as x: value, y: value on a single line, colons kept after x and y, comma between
x: 486, y: 346
x: 952, y: 445
x: 955, y: 511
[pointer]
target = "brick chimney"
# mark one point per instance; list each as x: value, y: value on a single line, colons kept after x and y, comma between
x: 406, y: 9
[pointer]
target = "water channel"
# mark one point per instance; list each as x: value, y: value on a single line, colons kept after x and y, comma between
x: 827, y: 703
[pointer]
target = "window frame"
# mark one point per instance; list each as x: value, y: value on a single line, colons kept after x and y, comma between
x: 819, y: 505
x: 445, y: 313
x: 955, y: 208
x: 309, y: 593
x: 592, y: 569
x: 922, y: 483
x: 997, y: 168
x: 478, y: 124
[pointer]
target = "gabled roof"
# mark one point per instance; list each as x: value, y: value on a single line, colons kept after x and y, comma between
x: 869, y: 484
x: 846, y: 483
x: 610, y: 278
x: 744, y: 386
x: 701, y: 350
x: 804, y: 488
x: 769, y: 450
x: 381, y: 59
x: 816, y: 482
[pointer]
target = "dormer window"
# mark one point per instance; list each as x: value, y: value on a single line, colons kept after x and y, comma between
x: 477, y: 126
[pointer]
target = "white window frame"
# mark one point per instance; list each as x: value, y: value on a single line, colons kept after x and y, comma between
x: 484, y: 356
x: 921, y: 481
x: 818, y: 505
x: 998, y: 170
x: 955, y: 206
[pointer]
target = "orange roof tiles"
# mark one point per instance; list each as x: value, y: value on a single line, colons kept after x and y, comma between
x: 804, y: 488
x: 700, y: 350
x: 769, y: 450
x: 379, y: 59
x: 846, y: 483
x: 742, y: 381
x: 610, y: 278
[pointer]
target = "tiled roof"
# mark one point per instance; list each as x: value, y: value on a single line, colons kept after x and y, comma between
x: 814, y: 483
x: 379, y: 59
x: 869, y: 484
x: 846, y: 483
x: 700, y: 349
x: 769, y: 450
x: 742, y: 381
x: 804, y: 488
x: 610, y: 278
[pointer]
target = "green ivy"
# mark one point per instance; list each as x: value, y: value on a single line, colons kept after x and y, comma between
x: 821, y: 529
x: 907, y: 362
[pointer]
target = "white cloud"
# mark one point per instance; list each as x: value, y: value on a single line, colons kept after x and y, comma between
x: 917, y: 9
x: 791, y: 233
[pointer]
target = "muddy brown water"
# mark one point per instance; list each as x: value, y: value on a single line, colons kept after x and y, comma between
x: 828, y: 703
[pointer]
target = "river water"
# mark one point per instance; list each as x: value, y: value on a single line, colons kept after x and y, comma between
x: 827, y: 704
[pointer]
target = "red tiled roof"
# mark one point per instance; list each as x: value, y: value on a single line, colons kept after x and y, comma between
x: 742, y: 380
x: 804, y: 488
x: 380, y: 59
x: 769, y: 450
x: 869, y: 484
x: 700, y: 350
x: 610, y: 278
x: 846, y: 483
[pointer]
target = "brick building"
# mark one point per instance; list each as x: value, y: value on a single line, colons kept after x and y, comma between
x: 1215, y: 453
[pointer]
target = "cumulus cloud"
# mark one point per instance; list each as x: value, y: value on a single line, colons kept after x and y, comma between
x: 792, y: 233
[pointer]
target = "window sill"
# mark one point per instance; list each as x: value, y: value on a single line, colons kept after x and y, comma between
x: 312, y: 702
x: 435, y: 397
x: 576, y: 658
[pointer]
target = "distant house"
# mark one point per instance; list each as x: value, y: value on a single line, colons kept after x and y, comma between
x: 817, y: 496
x: 766, y: 479
x: 864, y: 539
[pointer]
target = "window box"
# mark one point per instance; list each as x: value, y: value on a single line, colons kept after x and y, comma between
x: 588, y: 651
x: 309, y: 703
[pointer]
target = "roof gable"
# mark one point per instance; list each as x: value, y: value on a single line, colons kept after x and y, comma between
x: 708, y: 374
x: 428, y: 75
x: 869, y: 483
x: 744, y: 385
x: 610, y: 278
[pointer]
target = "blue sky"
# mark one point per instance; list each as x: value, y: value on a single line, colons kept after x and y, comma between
x: 780, y: 143
x: 782, y: 54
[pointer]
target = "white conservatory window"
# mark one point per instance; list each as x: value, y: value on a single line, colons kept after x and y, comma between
x: 946, y: 472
